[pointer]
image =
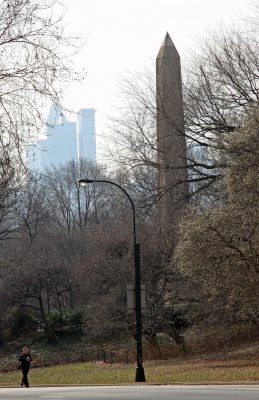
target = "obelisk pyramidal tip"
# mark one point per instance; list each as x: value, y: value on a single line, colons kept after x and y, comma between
x: 172, y: 155
x: 167, y: 48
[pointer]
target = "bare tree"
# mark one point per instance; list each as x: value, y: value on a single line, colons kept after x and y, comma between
x: 44, y: 281
x: 9, y: 190
x: 34, y: 61
x: 34, y: 53
x: 222, y: 86
x: 220, y: 89
x: 70, y: 206
x: 30, y: 211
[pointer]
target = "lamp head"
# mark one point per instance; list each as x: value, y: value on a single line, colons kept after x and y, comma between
x: 83, y: 181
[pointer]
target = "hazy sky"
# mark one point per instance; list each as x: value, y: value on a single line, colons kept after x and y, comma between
x: 126, y: 35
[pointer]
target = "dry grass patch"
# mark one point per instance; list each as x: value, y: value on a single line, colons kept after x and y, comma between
x: 179, y: 371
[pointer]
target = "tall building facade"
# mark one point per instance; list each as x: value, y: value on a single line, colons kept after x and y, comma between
x: 86, y: 134
x: 65, y: 140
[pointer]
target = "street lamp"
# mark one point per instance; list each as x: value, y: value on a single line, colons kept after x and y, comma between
x: 140, y: 374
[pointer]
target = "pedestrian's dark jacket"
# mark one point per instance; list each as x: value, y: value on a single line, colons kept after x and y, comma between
x: 25, y: 360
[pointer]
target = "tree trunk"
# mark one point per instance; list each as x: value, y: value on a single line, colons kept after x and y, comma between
x: 50, y: 335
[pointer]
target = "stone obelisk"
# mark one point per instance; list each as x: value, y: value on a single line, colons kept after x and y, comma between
x: 172, y: 154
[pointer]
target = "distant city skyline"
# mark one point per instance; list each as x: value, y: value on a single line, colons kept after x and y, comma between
x: 64, y: 140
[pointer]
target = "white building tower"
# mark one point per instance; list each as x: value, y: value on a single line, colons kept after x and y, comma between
x: 86, y: 134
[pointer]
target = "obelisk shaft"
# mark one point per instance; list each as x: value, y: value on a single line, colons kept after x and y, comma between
x: 172, y: 155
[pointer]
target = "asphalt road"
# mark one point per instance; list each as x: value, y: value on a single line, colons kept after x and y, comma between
x: 136, y: 392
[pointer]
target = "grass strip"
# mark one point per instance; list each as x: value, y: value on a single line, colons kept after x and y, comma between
x: 97, y: 373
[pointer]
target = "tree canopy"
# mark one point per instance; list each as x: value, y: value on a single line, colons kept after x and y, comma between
x: 219, y: 243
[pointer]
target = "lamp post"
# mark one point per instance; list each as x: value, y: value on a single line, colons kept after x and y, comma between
x: 140, y: 374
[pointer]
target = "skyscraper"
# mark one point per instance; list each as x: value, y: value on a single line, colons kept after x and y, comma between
x: 65, y: 140
x: 86, y: 134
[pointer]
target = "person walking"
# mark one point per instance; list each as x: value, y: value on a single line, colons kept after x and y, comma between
x: 25, y: 360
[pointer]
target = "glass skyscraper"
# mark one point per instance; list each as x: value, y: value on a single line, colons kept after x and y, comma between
x: 86, y: 134
x: 65, y: 140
